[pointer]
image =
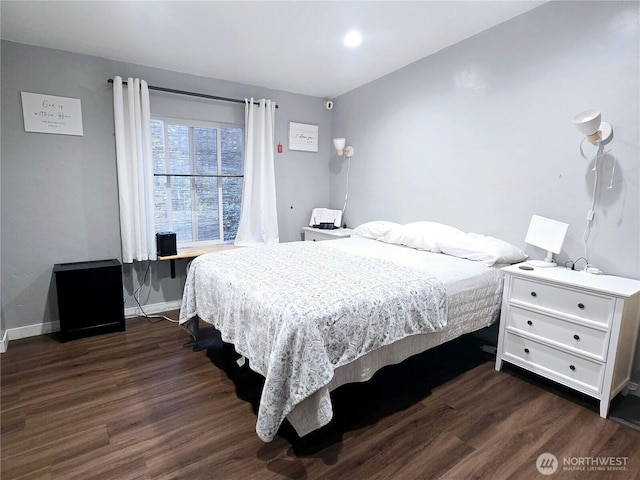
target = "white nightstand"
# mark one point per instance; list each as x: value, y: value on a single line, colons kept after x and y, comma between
x: 316, y: 234
x: 575, y: 328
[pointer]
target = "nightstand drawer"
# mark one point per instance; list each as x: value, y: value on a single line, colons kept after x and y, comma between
x: 580, y: 338
x: 318, y: 234
x: 316, y: 237
x: 586, y: 305
x: 571, y: 370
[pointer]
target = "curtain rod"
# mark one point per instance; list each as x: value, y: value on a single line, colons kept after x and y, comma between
x: 191, y: 94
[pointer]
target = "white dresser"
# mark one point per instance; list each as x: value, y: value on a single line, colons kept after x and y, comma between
x: 316, y: 234
x: 575, y: 328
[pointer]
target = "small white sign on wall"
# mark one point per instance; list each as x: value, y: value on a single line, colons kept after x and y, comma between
x: 51, y: 114
x: 303, y: 137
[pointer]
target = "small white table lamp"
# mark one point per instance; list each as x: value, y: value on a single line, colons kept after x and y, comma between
x: 546, y: 234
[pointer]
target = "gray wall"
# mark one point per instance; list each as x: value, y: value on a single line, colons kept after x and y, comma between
x: 59, y: 193
x: 480, y: 135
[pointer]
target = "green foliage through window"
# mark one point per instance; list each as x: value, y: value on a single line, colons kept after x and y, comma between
x: 198, y: 170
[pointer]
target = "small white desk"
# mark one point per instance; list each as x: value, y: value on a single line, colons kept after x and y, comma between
x: 193, y: 253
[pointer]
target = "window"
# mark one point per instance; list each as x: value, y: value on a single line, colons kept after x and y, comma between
x: 198, y: 170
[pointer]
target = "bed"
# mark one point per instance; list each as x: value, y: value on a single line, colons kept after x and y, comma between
x: 311, y: 316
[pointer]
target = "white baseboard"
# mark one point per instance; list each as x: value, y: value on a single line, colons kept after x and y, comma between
x: 4, y: 342
x: 29, y: 331
x: 50, y: 327
x: 152, y: 309
x: 633, y: 389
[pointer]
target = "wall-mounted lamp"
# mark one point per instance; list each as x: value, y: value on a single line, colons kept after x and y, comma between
x: 599, y: 133
x: 590, y: 124
x: 339, y: 144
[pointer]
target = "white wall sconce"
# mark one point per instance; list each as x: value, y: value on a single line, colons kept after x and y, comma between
x: 339, y: 144
x: 590, y: 124
x: 598, y: 133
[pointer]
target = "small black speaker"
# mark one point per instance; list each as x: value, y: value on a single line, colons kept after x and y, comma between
x: 166, y: 244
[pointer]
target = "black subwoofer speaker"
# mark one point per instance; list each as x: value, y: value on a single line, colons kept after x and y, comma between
x: 166, y: 244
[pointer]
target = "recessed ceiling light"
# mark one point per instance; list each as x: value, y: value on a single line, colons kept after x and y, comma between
x: 353, y: 39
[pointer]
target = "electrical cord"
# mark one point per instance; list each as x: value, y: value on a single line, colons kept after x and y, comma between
x: 346, y: 195
x: 136, y: 297
x: 588, y: 268
x: 571, y: 264
x: 591, y: 213
x: 601, y: 153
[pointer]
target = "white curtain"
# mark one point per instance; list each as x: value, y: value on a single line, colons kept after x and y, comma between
x: 258, y: 217
x: 135, y: 169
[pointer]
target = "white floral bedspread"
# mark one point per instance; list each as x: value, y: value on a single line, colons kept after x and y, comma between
x: 299, y: 310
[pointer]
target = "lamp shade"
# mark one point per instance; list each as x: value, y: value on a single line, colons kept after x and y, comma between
x: 546, y: 234
x: 339, y: 143
x: 588, y: 122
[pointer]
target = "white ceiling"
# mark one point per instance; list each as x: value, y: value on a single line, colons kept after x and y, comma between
x: 284, y: 45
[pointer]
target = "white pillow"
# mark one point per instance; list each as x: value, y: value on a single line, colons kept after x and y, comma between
x: 419, y: 235
x: 481, y: 248
x: 375, y: 229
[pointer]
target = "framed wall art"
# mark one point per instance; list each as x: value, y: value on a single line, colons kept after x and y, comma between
x: 303, y: 137
x: 51, y: 114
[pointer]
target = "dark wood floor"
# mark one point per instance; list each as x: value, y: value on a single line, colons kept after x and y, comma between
x: 139, y: 405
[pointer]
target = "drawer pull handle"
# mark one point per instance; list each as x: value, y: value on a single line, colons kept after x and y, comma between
x: 581, y: 306
x: 576, y: 337
x: 572, y: 367
x: 526, y: 350
x: 534, y: 294
x: 529, y: 322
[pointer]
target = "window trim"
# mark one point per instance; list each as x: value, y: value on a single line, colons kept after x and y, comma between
x: 192, y: 123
